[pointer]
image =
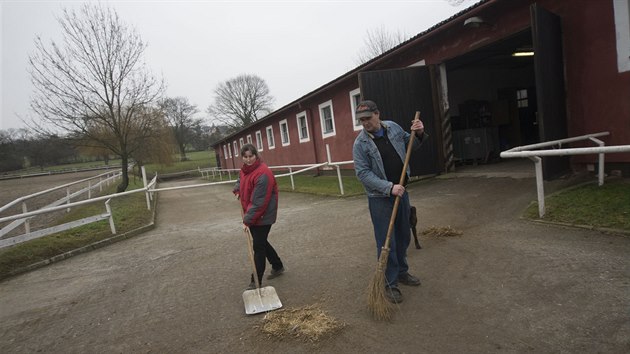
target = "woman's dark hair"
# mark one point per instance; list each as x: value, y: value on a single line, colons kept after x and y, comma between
x: 251, y: 148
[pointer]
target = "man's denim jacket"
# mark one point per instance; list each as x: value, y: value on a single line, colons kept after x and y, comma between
x: 368, y: 164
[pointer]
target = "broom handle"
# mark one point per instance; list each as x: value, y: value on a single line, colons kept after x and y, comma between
x: 392, y: 219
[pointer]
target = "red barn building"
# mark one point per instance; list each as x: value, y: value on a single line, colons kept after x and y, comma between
x: 476, y: 96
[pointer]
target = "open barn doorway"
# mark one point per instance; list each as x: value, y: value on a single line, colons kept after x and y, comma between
x: 510, y: 93
x: 492, y: 100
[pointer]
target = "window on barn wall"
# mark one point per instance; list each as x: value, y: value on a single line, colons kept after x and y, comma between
x: 302, y: 127
x: 327, y: 119
x: 241, y: 142
x: 270, y: 142
x: 235, y: 148
x: 249, y: 138
x: 229, y: 149
x: 259, y: 143
x: 622, y: 25
x: 225, y: 154
x: 521, y: 98
x: 284, y: 132
x: 355, y: 98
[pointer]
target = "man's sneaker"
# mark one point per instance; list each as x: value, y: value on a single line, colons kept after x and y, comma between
x: 393, y: 295
x: 408, y: 279
x: 251, y: 286
x: 275, y: 273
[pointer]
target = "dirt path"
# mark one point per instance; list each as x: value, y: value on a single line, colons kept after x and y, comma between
x: 506, y: 285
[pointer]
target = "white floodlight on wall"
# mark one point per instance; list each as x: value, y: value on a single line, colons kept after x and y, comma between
x: 474, y: 22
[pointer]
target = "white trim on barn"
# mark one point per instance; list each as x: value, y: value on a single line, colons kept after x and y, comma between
x: 259, y: 140
x: 355, y: 97
x: 284, y: 133
x: 326, y: 116
x: 271, y: 143
x: 302, y: 126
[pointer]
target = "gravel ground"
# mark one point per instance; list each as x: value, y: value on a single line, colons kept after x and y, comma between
x: 505, y: 285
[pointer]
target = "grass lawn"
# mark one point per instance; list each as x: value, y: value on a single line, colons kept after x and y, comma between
x: 607, y: 206
x: 321, y: 185
x: 196, y: 159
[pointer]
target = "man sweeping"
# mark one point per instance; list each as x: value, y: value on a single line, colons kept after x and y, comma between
x: 379, y: 153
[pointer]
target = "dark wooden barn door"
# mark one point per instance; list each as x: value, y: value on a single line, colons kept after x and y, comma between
x: 550, y: 90
x: 399, y: 93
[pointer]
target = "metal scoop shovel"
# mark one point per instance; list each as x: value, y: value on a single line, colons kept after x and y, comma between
x: 260, y: 299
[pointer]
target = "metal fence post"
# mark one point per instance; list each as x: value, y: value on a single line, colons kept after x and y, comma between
x: 338, y: 170
x: 539, y: 185
x: 111, y: 217
x: 600, y: 160
x: 144, y: 180
x: 27, y: 224
x: 68, y: 200
x: 291, y: 176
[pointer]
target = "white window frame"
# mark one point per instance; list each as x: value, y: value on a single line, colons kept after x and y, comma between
x: 284, y: 133
x: 235, y: 148
x: 225, y: 152
x: 241, y: 142
x: 259, y: 140
x: 299, y: 126
x: 353, y: 108
x: 249, y: 138
x: 271, y: 142
x: 322, y: 121
x: 622, y: 28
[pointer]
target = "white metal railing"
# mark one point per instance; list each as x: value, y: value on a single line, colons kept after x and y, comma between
x: 57, y: 172
x: 149, y: 189
x: 108, y: 215
x: 205, y: 173
x: 535, y: 156
x: 103, y: 178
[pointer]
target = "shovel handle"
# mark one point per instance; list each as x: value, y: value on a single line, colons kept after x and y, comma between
x: 250, y: 251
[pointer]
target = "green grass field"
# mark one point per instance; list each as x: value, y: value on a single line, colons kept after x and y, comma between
x: 607, y: 206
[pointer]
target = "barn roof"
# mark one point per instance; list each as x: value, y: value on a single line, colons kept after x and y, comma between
x: 359, y: 68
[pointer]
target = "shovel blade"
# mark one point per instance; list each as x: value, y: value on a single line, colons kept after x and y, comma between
x: 264, y: 301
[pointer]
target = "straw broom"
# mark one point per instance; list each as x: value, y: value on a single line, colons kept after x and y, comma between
x: 378, y: 304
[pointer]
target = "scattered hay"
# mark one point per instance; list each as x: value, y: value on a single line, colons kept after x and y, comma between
x: 308, y: 323
x: 441, y: 232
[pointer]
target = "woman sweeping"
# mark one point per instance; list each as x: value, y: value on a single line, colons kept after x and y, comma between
x: 257, y: 190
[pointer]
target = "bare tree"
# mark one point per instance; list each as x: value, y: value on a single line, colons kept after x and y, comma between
x: 376, y: 42
x: 94, y: 85
x: 180, y: 115
x: 241, y: 101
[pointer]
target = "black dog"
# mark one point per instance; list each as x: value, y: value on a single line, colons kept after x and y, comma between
x: 413, y: 220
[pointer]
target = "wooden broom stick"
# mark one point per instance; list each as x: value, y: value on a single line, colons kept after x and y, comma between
x: 378, y: 304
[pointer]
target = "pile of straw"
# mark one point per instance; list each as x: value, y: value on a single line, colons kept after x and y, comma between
x: 308, y: 323
x: 441, y: 232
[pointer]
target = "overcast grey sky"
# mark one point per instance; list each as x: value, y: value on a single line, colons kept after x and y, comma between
x: 295, y: 46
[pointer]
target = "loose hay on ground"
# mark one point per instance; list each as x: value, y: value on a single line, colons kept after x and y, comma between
x: 308, y: 323
x: 441, y: 232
